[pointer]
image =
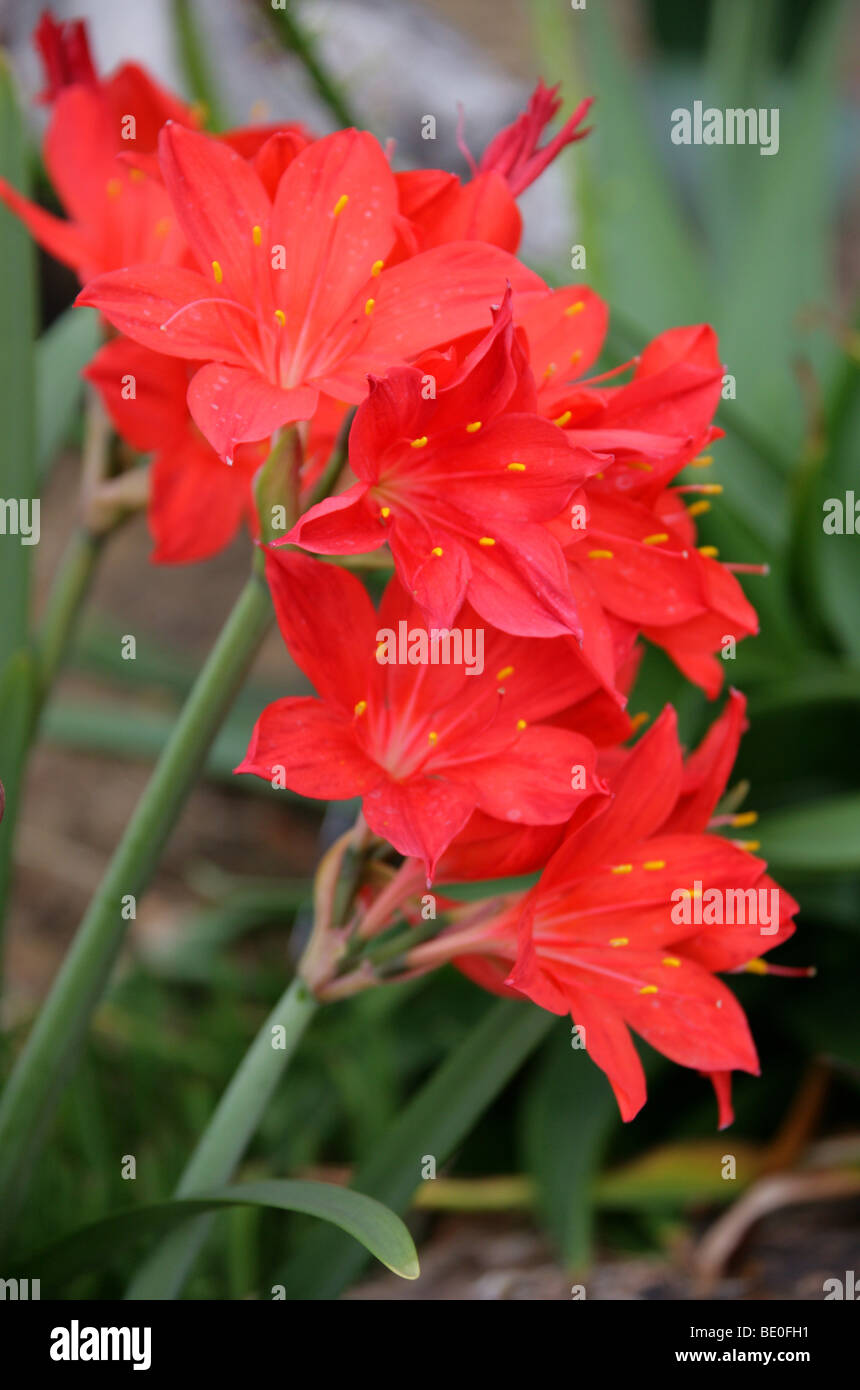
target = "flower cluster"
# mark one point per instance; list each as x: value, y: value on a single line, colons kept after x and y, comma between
x: 266, y: 284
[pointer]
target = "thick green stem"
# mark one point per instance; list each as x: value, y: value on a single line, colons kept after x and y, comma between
x: 35, y: 1083
x: 226, y: 1137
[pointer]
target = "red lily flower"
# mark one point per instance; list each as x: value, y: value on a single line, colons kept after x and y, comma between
x: 662, y: 415
x: 294, y: 299
x: 599, y: 936
x: 638, y: 564
x: 99, y: 152
x: 117, y: 214
x: 632, y: 554
x: 441, y: 208
x: 432, y: 471
x: 424, y: 745
x: 196, y: 503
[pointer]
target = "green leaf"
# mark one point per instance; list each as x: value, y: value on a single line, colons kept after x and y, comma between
x: 783, y: 248
x: 435, y: 1122
x: 17, y: 377
x: 676, y: 1175
x: 830, y: 563
x: 17, y: 470
x: 736, y: 74
x: 367, y: 1221
x: 820, y: 837
x: 640, y: 252
x: 61, y: 354
x: 567, y: 1117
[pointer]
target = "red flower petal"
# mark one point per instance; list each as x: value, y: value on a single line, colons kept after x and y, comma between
x: 531, y: 781
x: 328, y: 623
x: 231, y: 405
x: 420, y: 817
x: 171, y: 310
x: 197, y: 503
x: 313, y: 751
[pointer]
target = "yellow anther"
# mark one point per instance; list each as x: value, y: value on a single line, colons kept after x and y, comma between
x: 575, y: 356
x: 710, y: 552
x: 576, y: 308
x: 437, y: 551
x: 137, y: 175
x: 642, y: 466
x: 671, y: 960
x: 257, y: 235
x: 419, y: 443
x: 521, y: 724
x: 432, y: 737
x: 340, y: 205
x: 561, y: 420
x: 217, y: 272
x: 639, y: 719
x: 516, y: 468
x: 600, y: 554
x: 703, y: 461
x: 621, y: 869
x: 648, y: 989
x: 756, y: 967
x: 114, y: 188
x: 486, y: 540
x: 504, y: 673
x: 744, y: 818
x: 653, y: 864
x: 162, y: 226
x: 619, y: 941
x: 280, y: 316
x: 361, y: 706
x: 694, y: 892
x: 751, y: 846
x: 713, y: 489
x: 657, y: 539
x: 474, y: 426
x: 698, y: 508
x: 385, y: 512
x: 549, y: 369
x: 376, y: 268
x: 369, y: 305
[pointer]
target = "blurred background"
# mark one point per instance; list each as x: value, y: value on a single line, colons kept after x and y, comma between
x: 549, y: 1187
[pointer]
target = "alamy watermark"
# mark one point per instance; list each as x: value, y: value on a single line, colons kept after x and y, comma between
x: 755, y: 907
x: 21, y: 516
x: 435, y: 646
x: 708, y: 125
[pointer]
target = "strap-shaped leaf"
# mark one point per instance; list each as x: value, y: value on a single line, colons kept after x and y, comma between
x: 61, y: 354
x: 820, y: 837
x: 363, y: 1218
